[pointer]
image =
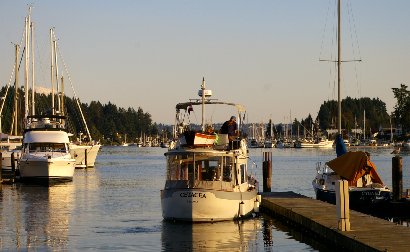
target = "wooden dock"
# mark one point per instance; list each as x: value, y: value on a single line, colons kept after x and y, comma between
x: 319, y: 219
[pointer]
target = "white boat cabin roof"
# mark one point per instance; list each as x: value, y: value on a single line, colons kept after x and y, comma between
x: 50, y: 136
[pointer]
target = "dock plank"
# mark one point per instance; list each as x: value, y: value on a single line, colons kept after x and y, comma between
x: 367, y: 233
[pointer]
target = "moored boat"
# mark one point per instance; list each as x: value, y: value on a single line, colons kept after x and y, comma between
x: 10, y: 145
x: 46, y: 153
x: 207, y: 175
x: 84, y: 154
x: 318, y: 143
x: 366, y: 189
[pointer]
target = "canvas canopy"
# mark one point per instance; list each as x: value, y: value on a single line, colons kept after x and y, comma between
x: 354, y: 165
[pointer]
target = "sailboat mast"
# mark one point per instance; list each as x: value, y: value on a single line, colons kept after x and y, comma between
x: 26, y: 70
x: 52, y: 71
x: 203, y: 104
x: 364, y: 125
x: 16, y: 83
x: 62, y: 96
x: 339, y: 51
x: 56, y: 77
x: 33, y: 110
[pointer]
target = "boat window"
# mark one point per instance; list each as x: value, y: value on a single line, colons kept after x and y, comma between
x: 180, y: 167
x: 4, y: 147
x: 243, y: 171
x: 205, y: 168
x: 227, y: 169
x: 209, y: 169
x: 45, y: 147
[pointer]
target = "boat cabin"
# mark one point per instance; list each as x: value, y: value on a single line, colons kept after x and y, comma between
x: 208, y: 170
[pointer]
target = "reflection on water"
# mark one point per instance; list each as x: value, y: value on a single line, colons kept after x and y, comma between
x: 226, y: 235
x: 37, y: 216
x: 256, y: 234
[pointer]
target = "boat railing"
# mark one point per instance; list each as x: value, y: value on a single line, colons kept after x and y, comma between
x: 217, y: 141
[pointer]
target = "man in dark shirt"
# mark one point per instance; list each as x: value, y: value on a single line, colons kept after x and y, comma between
x: 231, y: 128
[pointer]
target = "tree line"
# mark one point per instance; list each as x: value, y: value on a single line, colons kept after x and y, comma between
x: 356, y: 113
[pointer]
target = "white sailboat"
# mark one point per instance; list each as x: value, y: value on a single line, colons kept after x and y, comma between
x: 207, y: 175
x: 366, y: 189
x: 45, y: 153
x: 84, y: 152
x: 11, y: 143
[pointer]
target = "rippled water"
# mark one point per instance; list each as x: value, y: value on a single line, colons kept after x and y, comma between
x: 116, y: 206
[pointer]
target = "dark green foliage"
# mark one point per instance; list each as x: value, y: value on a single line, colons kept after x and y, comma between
x: 401, y: 112
x: 353, y: 112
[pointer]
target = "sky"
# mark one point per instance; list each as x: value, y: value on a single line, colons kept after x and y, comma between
x: 262, y: 54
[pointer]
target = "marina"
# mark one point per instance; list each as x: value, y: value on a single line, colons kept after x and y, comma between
x: 206, y: 174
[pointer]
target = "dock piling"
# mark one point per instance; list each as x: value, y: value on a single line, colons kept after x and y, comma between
x: 397, y: 177
x: 267, y: 171
x: 85, y: 158
x: 13, y: 165
x: 342, y: 205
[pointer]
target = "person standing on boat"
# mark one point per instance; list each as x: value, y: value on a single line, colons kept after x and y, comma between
x: 231, y: 128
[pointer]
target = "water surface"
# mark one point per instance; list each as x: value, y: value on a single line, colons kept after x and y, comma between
x: 116, y: 207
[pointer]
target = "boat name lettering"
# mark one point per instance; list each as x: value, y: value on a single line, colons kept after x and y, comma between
x: 370, y: 193
x: 192, y: 195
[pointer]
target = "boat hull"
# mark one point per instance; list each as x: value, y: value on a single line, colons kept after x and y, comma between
x: 62, y: 169
x: 201, y: 205
x: 78, y: 152
x: 359, y: 198
x: 325, y: 144
x: 6, y: 159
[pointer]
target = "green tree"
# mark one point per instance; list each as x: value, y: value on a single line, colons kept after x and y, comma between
x: 402, y: 107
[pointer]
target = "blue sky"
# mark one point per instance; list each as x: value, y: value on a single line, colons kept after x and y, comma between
x: 262, y: 54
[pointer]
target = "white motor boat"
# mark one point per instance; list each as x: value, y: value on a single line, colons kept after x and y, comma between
x: 46, y: 153
x: 9, y: 145
x: 207, y: 175
x: 318, y: 143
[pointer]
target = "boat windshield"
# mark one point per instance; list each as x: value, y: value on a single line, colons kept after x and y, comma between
x: 46, y: 147
x: 200, y: 167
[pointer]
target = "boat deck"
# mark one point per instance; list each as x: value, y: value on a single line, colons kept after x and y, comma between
x: 319, y: 219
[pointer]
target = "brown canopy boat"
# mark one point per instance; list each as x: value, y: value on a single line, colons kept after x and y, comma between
x: 354, y: 165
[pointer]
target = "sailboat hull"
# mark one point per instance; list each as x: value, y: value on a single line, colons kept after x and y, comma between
x: 359, y: 198
x: 78, y: 152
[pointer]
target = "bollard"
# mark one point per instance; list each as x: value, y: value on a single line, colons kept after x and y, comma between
x: 85, y: 158
x: 267, y: 171
x: 397, y: 177
x: 342, y: 205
